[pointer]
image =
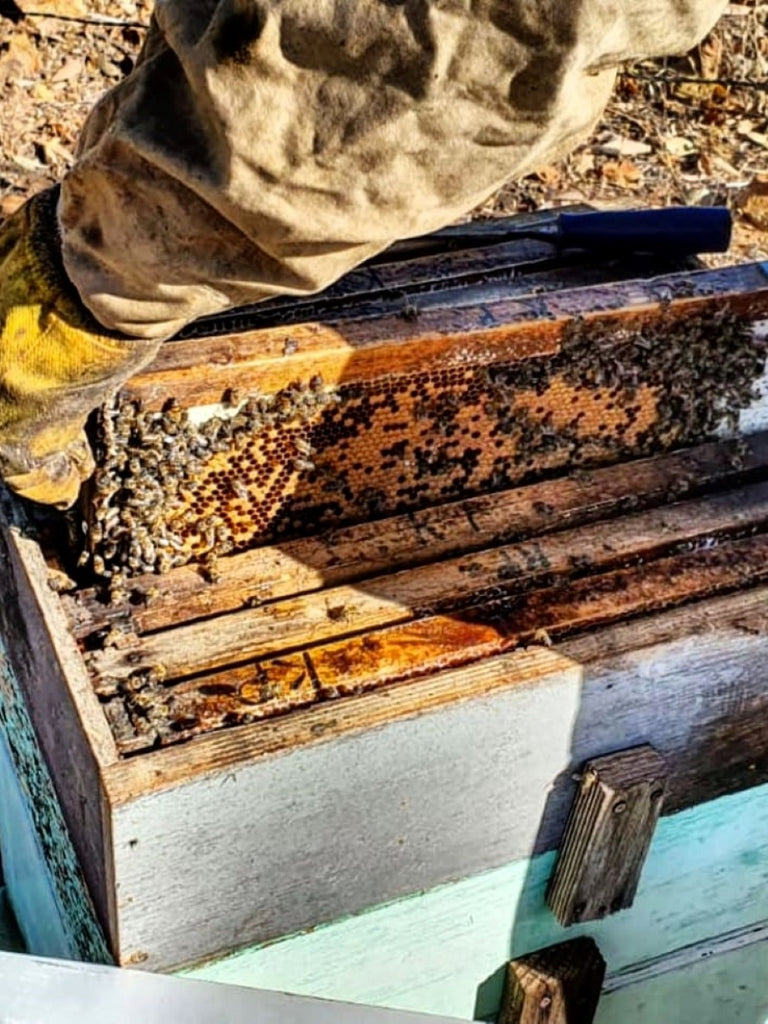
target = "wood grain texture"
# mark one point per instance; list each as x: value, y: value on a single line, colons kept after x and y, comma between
x: 608, y: 835
x: 617, y: 385
x: 70, y: 726
x: 198, y: 371
x: 347, y: 554
x: 159, y: 714
x: 557, y: 985
x: 285, y: 842
x: 408, y: 594
x: 202, y: 824
x: 705, y: 876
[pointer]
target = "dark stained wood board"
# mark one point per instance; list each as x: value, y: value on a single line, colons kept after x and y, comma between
x: 352, y: 668
x: 704, y: 672
x: 451, y: 584
x: 161, y: 713
x: 373, y: 605
x: 70, y: 725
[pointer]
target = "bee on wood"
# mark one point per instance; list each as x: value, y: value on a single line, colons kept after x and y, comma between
x: 409, y: 310
x: 59, y: 582
x: 118, y: 592
x: 284, y: 407
x: 164, y: 562
x: 541, y: 636
x: 210, y: 567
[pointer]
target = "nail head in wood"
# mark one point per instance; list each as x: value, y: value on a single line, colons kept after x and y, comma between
x: 557, y: 985
x: 608, y: 835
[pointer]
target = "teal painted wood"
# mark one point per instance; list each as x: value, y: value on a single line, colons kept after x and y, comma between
x: 728, y: 989
x: 443, y: 951
x: 30, y: 889
x: 43, y: 883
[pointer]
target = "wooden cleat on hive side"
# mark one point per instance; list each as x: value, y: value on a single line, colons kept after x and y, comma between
x: 608, y: 835
x: 557, y: 985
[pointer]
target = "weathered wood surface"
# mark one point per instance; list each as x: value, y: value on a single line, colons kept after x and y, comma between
x: 199, y: 371
x: 584, y: 376
x: 69, y: 723
x: 449, y: 584
x: 704, y: 885
x: 43, y: 880
x: 557, y: 985
x: 304, y: 818
x: 296, y: 833
x: 608, y: 835
x: 353, y: 553
x: 163, y: 715
x: 194, y: 826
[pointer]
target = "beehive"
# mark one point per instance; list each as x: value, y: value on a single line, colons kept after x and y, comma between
x: 325, y: 551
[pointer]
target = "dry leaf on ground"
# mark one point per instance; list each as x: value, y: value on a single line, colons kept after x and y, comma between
x: 622, y: 174
x: 20, y: 60
x: 665, y: 143
x: 59, y: 8
x: 754, y: 202
x: 615, y: 145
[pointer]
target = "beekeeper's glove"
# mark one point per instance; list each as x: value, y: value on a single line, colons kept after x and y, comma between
x: 56, y: 362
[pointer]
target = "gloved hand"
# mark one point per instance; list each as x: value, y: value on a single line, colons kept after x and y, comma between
x: 56, y: 362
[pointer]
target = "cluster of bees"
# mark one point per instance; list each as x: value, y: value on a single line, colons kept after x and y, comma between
x: 142, y: 508
x: 702, y: 370
x: 170, y: 490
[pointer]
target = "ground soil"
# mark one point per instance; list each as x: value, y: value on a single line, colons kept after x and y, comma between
x: 692, y: 129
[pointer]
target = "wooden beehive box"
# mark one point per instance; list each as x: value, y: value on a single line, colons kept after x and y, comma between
x: 304, y: 659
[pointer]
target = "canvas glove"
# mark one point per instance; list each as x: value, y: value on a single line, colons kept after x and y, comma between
x: 56, y: 362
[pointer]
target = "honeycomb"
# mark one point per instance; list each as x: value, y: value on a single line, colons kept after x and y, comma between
x: 171, y: 488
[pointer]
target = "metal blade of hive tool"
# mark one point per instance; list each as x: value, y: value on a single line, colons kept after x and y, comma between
x: 37, y: 991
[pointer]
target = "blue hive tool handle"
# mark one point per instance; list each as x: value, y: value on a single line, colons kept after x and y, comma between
x: 675, y: 230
